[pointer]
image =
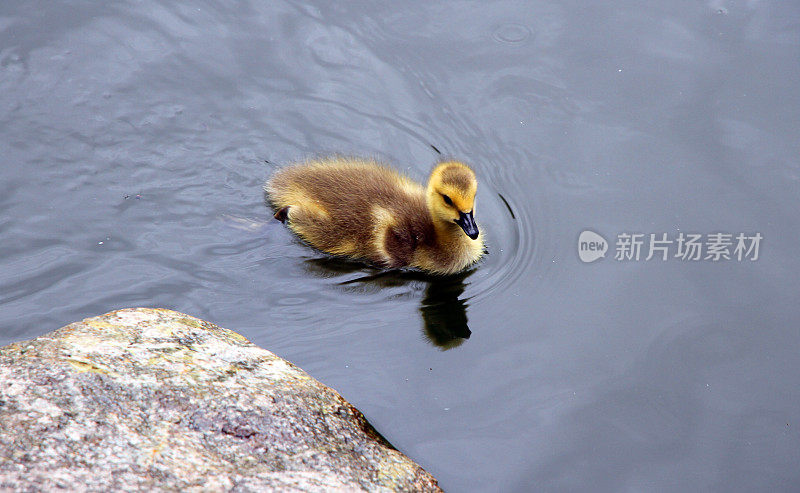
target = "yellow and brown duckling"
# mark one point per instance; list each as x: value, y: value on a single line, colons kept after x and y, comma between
x: 363, y: 210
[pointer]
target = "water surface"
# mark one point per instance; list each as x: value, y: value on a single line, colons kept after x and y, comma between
x: 135, y: 139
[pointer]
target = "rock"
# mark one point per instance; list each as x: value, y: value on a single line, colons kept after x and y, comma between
x: 142, y: 399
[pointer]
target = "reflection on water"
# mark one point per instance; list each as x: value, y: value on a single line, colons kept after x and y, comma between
x: 444, y: 312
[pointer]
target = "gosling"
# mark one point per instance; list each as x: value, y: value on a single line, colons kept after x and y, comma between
x: 366, y: 211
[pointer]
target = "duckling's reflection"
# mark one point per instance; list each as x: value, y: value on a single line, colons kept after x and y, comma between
x: 444, y: 313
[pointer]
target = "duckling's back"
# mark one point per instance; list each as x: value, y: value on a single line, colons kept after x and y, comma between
x: 352, y: 207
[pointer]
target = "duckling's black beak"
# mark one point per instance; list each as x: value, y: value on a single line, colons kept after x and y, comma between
x: 467, y: 223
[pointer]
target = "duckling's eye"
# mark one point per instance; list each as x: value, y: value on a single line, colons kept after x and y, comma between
x: 447, y: 200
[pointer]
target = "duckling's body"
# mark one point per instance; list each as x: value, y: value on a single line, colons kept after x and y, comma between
x: 362, y: 210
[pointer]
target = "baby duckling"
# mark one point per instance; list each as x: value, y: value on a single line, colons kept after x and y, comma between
x: 363, y: 210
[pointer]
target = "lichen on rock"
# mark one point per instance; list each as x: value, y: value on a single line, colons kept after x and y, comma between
x: 156, y: 399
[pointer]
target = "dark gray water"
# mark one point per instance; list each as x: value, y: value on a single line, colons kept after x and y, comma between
x: 133, y: 141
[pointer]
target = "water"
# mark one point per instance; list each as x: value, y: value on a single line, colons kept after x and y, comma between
x: 136, y: 136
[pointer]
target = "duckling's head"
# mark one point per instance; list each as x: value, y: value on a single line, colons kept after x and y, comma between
x: 451, y: 195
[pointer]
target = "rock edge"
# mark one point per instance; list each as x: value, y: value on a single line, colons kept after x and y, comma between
x: 150, y: 399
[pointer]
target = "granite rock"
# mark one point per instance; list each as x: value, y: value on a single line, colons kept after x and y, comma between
x: 155, y: 399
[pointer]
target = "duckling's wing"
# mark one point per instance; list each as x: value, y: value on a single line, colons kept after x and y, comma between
x: 399, y: 244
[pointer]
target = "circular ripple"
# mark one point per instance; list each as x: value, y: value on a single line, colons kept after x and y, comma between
x: 291, y: 301
x: 509, y: 241
x: 511, y: 33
